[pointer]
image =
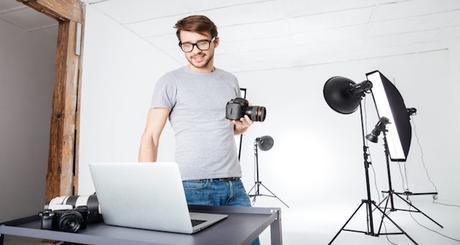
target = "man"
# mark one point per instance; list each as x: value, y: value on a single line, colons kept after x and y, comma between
x: 194, y: 97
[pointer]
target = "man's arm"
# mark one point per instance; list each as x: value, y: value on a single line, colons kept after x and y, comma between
x: 156, y: 120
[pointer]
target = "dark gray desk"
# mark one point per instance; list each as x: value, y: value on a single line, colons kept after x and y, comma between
x: 241, y: 227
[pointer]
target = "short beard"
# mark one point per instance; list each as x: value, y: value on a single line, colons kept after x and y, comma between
x: 204, y: 65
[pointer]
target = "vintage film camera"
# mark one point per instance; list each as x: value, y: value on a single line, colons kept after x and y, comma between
x: 238, y: 107
x: 70, y: 213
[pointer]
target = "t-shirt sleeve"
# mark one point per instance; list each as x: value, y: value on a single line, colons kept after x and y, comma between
x: 164, y: 94
x: 237, y: 87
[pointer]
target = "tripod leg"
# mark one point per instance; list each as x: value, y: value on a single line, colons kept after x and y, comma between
x: 394, y: 223
x: 384, y: 211
x: 266, y: 188
x: 418, y: 210
x: 383, y: 200
x: 249, y: 192
x: 341, y: 229
x: 254, y: 199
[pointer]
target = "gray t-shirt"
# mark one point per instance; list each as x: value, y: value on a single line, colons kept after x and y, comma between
x: 205, y: 144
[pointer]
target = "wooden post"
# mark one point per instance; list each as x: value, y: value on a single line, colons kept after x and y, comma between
x: 62, y: 164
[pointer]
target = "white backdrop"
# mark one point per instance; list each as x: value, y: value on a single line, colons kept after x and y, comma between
x: 119, y: 73
x: 316, y: 165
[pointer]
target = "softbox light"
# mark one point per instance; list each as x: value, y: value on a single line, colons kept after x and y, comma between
x: 390, y: 104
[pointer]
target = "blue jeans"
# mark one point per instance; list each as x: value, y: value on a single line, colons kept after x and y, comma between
x: 217, y: 193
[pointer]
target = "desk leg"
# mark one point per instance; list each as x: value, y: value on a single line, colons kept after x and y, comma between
x: 275, y: 231
x: 2, y: 237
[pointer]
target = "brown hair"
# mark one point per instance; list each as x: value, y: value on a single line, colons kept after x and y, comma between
x: 196, y: 23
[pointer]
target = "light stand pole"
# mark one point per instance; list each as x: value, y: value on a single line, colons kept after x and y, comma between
x: 266, y: 143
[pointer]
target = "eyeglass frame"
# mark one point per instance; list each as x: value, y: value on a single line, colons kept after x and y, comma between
x: 196, y: 45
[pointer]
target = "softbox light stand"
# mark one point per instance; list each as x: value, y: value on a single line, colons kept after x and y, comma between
x: 257, y: 182
x: 411, y: 111
x: 389, y: 102
x: 390, y: 193
x: 368, y: 202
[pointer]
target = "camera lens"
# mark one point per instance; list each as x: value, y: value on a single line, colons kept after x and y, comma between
x: 256, y: 113
x: 70, y: 221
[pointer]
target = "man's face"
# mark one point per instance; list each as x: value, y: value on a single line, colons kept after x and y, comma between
x: 199, y: 58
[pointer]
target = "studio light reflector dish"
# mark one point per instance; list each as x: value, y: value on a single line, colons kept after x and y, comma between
x: 390, y: 104
x: 343, y: 95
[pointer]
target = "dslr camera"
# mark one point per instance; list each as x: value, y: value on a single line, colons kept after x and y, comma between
x: 238, y: 107
x: 70, y: 213
x: 67, y: 220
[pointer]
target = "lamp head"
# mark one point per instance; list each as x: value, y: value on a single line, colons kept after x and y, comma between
x: 264, y: 143
x: 343, y: 95
x: 372, y: 137
x: 379, y: 127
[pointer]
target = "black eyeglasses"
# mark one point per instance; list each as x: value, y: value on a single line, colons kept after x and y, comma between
x: 202, y: 45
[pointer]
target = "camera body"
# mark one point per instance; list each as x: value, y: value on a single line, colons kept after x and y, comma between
x: 70, y: 213
x: 239, y: 107
x: 67, y: 220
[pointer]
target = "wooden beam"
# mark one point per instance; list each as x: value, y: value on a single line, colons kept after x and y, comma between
x: 61, y: 10
x: 77, y: 122
x: 61, y: 162
x: 63, y: 158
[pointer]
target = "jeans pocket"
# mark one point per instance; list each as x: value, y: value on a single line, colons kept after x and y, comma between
x: 195, y: 184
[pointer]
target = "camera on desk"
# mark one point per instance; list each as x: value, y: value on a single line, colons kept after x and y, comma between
x: 70, y: 213
x: 64, y: 218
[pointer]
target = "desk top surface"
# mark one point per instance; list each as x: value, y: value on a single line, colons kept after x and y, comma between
x: 241, y: 227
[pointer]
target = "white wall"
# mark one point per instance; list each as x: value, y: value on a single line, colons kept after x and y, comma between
x: 26, y: 84
x: 119, y: 73
x: 317, y: 147
x: 454, y: 56
x: 316, y: 165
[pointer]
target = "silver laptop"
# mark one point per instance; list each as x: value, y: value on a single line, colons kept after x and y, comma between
x: 146, y: 195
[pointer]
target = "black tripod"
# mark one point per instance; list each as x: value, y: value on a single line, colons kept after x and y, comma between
x: 265, y: 143
x: 390, y: 193
x: 369, y: 203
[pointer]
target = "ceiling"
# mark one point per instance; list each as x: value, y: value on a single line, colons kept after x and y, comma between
x: 26, y: 18
x: 278, y: 34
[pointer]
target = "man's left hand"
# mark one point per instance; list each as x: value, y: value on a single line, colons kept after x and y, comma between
x: 240, y: 126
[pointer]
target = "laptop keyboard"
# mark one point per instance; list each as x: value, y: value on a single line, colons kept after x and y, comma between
x: 196, y: 222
